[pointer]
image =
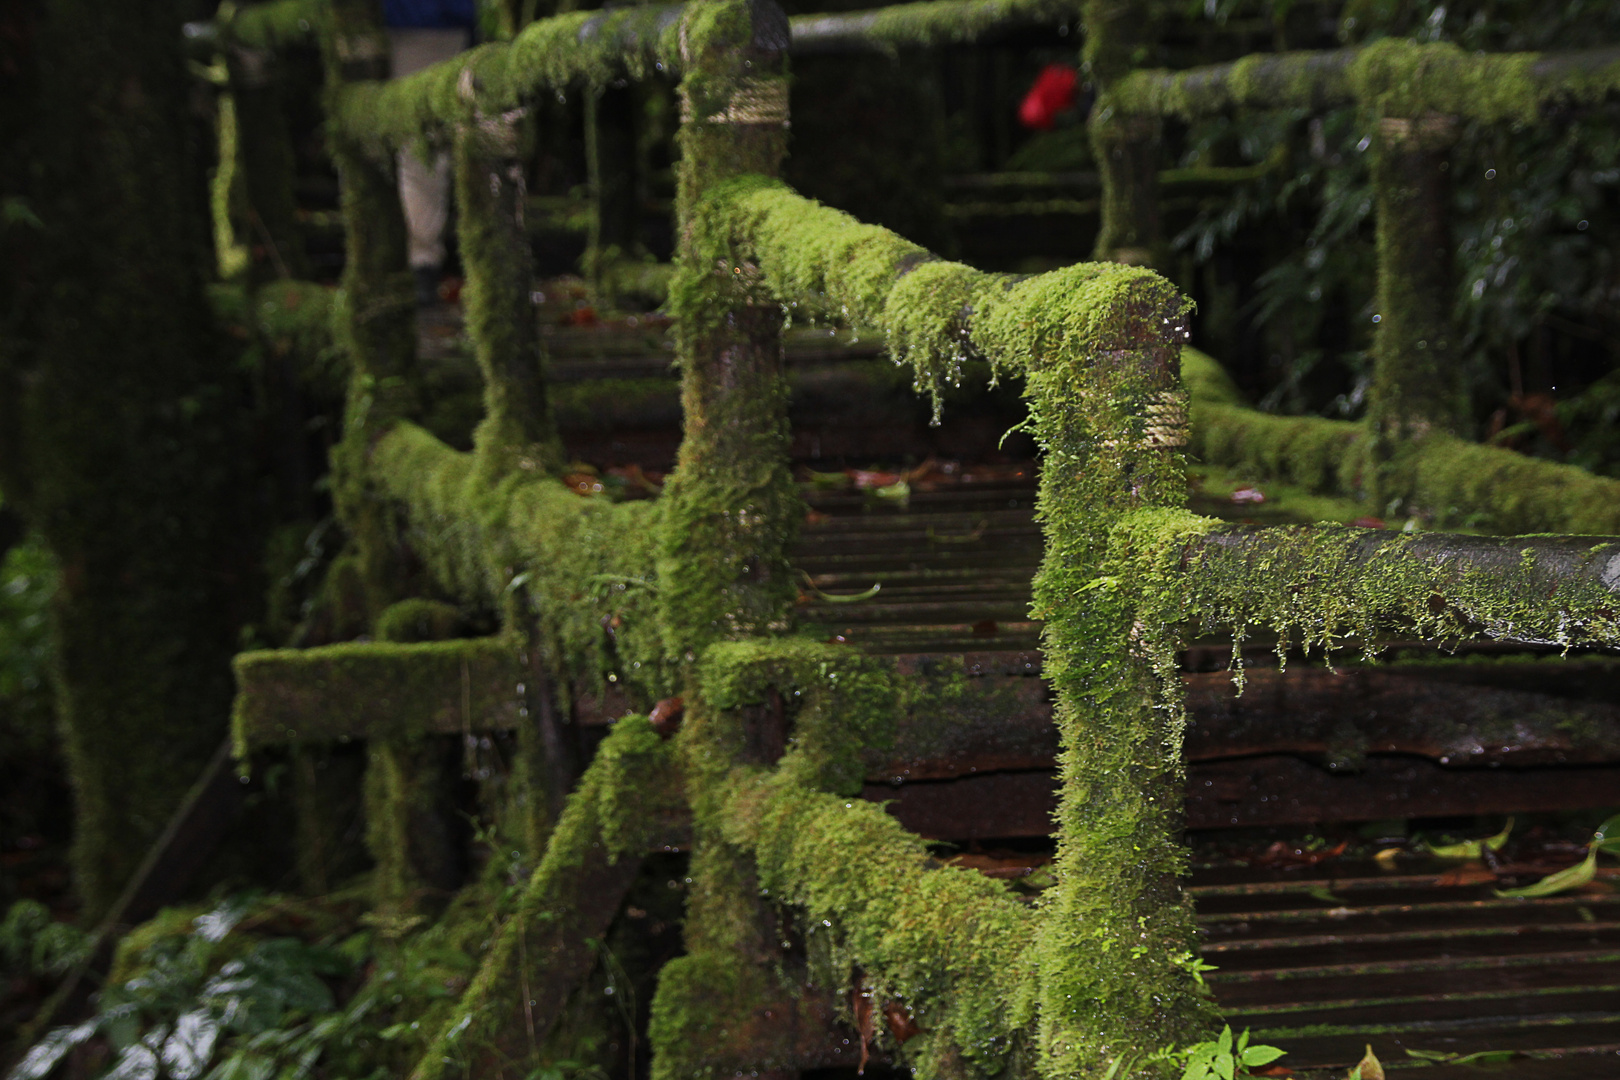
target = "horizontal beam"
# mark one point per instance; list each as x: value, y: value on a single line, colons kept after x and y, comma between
x: 1402, y: 78
x: 928, y: 24
x: 970, y: 713
x: 1326, y: 584
x: 369, y: 690
x: 1441, y: 480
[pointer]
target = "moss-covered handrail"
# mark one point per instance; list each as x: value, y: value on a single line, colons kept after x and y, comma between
x: 1442, y: 480
x: 926, y: 24
x: 1402, y: 77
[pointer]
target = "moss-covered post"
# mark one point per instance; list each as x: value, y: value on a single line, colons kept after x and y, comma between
x: 1417, y: 387
x: 517, y: 432
x: 1126, y: 145
x: 377, y: 324
x: 517, y: 435
x: 731, y: 509
x: 1117, y: 938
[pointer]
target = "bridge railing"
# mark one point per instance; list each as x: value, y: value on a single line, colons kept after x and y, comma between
x: 691, y: 596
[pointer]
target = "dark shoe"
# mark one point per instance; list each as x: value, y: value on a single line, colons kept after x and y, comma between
x: 427, y: 285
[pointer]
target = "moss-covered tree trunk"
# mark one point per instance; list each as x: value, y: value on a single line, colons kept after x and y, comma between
x: 122, y: 451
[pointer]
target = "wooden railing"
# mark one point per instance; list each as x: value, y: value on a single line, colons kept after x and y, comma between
x: 690, y: 596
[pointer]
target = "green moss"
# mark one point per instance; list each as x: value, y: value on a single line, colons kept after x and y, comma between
x: 623, y: 801
x: 587, y: 47
x: 731, y: 508
x: 952, y: 946
x: 1397, y: 76
x: 419, y: 619
x: 1442, y: 480
x: 1316, y: 80
x: 583, y: 566
x: 122, y: 419
x: 517, y: 431
x: 277, y: 24
x: 374, y: 690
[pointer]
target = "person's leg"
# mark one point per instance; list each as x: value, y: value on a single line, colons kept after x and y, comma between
x: 424, y: 186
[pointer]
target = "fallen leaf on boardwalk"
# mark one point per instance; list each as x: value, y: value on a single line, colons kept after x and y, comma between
x: 1245, y: 495
x: 1368, y: 1068
x: 1469, y: 873
x: 814, y: 517
x: 1368, y: 523
x: 666, y: 716
x: 901, y: 1023
x: 985, y: 628
x: 899, y: 492
x: 1573, y: 877
x: 1272, y: 1070
x: 1472, y: 849
x: 871, y: 479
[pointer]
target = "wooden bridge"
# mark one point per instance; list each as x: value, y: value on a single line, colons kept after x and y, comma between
x: 1048, y: 689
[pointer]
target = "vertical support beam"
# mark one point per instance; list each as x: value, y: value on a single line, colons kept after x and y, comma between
x: 517, y: 432
x: 731, y: 507
x: 1125, y: 145
x: 1117, y: 941
x: 265, y: 156
x: 610, y: 134
x: 1416, y: 387
x: 377, y: 325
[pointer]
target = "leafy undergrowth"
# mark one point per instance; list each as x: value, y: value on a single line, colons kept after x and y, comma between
x: 266, y: 987
x: 259, y: 987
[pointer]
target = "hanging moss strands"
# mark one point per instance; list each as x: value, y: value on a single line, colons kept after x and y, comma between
x: 802, y: 895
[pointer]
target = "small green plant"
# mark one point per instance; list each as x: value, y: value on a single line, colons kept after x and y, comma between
x: 1226, y: 1057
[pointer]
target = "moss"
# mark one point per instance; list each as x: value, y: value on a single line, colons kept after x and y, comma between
x: 550, y: 55
x: 517, y: 431
x: 731, y: 508
x: 1397, y: 76
x: 122, y: 416
x: 953, y: 947
x: 622, y: 802
x: 584, y: 566
x: 277, y: 24
x: 1443, y: 480
x: 1314, y: 80
x: 1326, y: 582
x: 1125, y: 145
x: 373, y: 690
x: 419, y: 619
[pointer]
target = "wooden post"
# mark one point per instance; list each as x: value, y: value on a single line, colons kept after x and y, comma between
x: 731, y: 506
x: 1117, y: 942
x: 1126, y: 145
x: 378, y: 327
x: 1416, y: 387
x: 517, y: 431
